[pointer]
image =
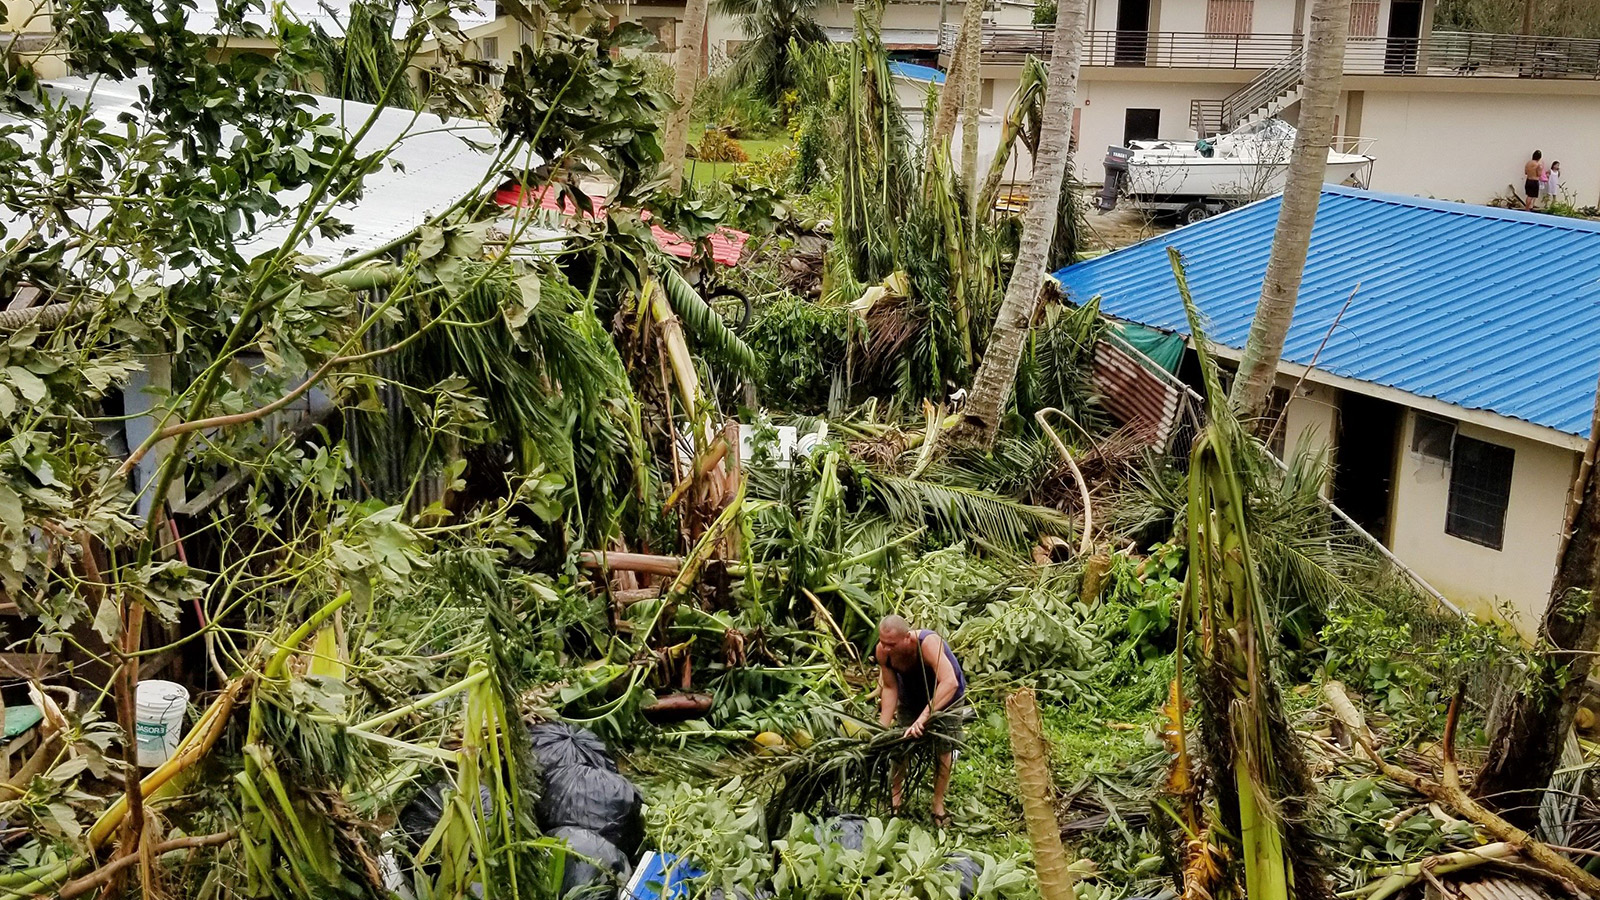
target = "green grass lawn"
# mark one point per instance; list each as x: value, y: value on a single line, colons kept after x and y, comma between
x: 703, y: 173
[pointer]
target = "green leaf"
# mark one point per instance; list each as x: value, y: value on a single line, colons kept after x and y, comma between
x: 11, y: 512
x: 430, y: 241
x: 30, y: 386
x: 528, y: 289
x: 701, y: 323
x: 65, y: 820
x: 108, y: 619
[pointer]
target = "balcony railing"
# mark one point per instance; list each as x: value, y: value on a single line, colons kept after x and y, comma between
x: 1155, y: 49
x: 1441, y: 53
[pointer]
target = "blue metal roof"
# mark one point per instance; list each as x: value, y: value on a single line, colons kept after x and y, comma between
x: 1479, y: 307
x: 914, y: 71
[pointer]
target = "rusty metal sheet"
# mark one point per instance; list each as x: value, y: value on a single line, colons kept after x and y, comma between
x: 1133, y: 394
x: 1499, y: 887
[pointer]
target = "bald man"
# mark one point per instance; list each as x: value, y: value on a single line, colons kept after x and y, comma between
x: 919, y: 675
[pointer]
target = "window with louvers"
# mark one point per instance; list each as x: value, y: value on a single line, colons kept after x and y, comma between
x: 1480, y: 491
x: 1229, y: 18
x: 1364, y: 18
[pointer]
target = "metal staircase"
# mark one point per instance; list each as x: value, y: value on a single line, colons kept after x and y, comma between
x: 1273, y: 91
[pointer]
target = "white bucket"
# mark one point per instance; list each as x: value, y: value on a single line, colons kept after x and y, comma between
x: 160, y: 707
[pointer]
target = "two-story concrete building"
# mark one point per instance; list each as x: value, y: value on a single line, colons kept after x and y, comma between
x: 1451, y: 115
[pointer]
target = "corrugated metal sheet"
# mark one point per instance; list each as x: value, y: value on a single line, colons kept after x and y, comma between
x: 433, y: 164
x: 1481, y: 308
x: 727, y: 244
x: 331, y: 16
x: 1133, y: 394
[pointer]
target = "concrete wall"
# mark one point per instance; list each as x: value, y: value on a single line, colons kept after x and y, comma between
x: 1269, y: 16
x: 1482, y: 579
x: 1106, y: 98
x: 1311, y: 419
x: 1489, y: 132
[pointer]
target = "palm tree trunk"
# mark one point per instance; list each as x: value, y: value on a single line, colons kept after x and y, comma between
x: 971, y: 90
x: 1037, y: 788
x: 1528, y: 737
x: 950, y: 96
x: 1308, y: 164
x: 997, y: 376
x: 691, y: 37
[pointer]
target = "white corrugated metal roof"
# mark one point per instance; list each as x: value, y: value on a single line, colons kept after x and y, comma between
x: 331, y: 16
x: 432, y: 164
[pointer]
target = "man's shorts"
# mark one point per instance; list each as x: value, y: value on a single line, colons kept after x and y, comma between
x: 947, y: 728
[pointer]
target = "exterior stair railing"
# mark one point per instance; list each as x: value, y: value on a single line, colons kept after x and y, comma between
x: 1282, y: 78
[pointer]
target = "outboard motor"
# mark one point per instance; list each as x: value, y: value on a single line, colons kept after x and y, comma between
x: 1116, y: 175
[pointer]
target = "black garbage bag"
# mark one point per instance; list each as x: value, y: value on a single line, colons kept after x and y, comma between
x: 971, y: 870
x: 596, y: 799
x: 557, y: 744
x: 419, y: 817
x: 849, y: 832
x: 583, y: 879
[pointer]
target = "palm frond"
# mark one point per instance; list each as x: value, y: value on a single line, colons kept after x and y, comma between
x: 704, y: 326
x: 962, y: 511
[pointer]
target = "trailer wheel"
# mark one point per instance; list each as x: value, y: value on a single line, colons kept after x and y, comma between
x: 1194, y: 212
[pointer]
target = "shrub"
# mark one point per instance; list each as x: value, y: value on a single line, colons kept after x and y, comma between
x: 717, y: 146
x: 801, y: 346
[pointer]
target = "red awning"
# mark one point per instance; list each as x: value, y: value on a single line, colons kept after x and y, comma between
x: 727, y: 244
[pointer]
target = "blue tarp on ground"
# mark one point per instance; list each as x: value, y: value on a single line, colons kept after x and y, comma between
x: 652, y: 880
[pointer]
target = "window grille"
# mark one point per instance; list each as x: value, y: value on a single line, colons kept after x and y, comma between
x: 1480, y: 491
x: 1432, y: 437
x: 1229, y: 18
x: 1364, y: 18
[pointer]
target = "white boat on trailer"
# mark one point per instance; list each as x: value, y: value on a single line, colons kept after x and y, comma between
x: 1201, y: 178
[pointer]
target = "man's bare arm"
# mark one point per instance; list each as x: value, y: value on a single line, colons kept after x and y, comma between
x: 888, y: 691
x: 945, y: 684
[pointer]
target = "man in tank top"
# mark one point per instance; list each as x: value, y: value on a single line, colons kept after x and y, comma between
x: 919, y: 675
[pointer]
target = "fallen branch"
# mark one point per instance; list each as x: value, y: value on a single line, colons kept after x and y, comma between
x: 648, y: 563
x: 100, y: 876
x: 1448, y: 793
x: 1087, y: 543
x: 827, y: 619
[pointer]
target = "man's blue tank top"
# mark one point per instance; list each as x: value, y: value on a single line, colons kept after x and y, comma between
x: 917, y: 687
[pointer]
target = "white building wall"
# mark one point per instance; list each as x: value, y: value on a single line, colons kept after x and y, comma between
x: 1470, y: 146
x: 1481, y: 579
x: 1105, y: 103
x: 1270, y: 16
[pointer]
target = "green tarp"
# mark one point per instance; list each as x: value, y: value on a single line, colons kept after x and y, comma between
x: 1165, y: 350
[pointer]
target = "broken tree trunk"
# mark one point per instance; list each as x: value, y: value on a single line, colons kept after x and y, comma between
x: 1527, y: 738
x: 1038, y: 796
x: 949, y: 109
x: 1447, y: 791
